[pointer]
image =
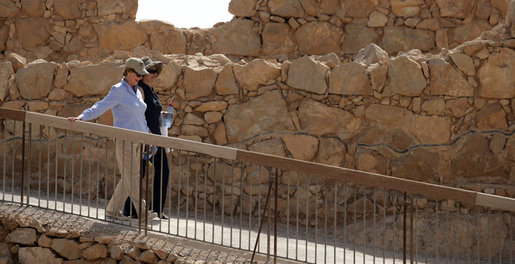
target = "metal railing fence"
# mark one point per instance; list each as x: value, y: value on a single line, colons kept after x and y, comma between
x: 272, y: 205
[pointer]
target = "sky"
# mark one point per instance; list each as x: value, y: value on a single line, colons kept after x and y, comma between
x: 185, y: 13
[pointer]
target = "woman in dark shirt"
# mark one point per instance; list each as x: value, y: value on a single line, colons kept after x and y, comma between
x: 159, y: 160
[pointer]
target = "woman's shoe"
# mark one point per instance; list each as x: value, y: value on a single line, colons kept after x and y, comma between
x: 163, y: 216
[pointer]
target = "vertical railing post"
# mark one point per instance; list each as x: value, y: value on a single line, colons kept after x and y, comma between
x: 276, y: 214
x: 147, y: 162
x: 140, y: 184
x: 22, y: 161
x: 263, y: 217
x: 404, y: 247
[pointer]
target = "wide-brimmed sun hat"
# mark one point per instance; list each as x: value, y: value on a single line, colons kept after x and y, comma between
x: 137, y: 65
x: 149, y: 63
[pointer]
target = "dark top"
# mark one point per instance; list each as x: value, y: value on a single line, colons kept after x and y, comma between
x: 153, y: 108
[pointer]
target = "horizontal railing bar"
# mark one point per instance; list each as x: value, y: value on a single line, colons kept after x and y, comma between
x: 429, y: 190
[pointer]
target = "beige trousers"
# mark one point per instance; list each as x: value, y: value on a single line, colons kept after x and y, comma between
x: 128, y: 160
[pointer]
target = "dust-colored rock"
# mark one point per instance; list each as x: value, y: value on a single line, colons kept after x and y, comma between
x: 302, y: 147
x: 8, y: 9
x: 434, y: 106
x: 359, y: 8
x: 358, y: 35
x: 496, y: 75
x: 242, y: 8
x: 84, y: 80
x: 67, y: 248
x: 124, y: 36
x: 318, y: 38
x: 31, y: 255
x: 211, y: 106
x: 464, y: 63
x: 171, y: 41
x: 6, y: 70
x: 349, y: 79
x: 286, y: 8
x: 445, y: 80
x: 377, y: 19
x: 24, y: 236
x: 235, y: 38
x: 67, y: 9
x: 491, y: 117
x: 35, y: 81
x: 109, y: 7
x: 226, y: 83
x: 454, y: 8
x: 406, y: 77
x: 306, y: 74
x: 256, y: 73
x: 277, y: 40
x: 406, y: 8
x: 97, y: 251
x: 318, y: 119
x: 32, y: 31
x: 198, y: 82
x: 396, y: 39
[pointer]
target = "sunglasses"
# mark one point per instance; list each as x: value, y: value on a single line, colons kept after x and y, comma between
x: 152, y: 71
x: 137, y: 74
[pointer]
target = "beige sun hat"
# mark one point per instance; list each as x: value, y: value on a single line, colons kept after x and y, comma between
x: 137, y: 65
x: 149, y: 63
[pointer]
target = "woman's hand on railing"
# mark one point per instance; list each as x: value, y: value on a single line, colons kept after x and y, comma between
x: 74, y: 118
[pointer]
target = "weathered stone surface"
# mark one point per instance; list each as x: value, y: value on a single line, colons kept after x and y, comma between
x: 302, y: 147
x: 31, y: 255
x: 387, y: 116
x: 454, y: 8
x: 226, y: 83
x: 277, y: 39
x: 434, y: 106
x: 378, y: 77
x: 4, y: 35
x: 370, y: 161
x: 220, y: 134
x: 272, y: 146
x: 406, y: 8
x: 6, y: 70
x: 457, y: 107
x: 148, y: 257
x: 464, y: 63
x: 116, y: 252
x: 318, y: 38
x: 67, y: 9
x: 431, y: 129
x: 213, y: 117
x: 318, y: 119
x: 430, y: 24
x: 33, y: 8
x: 371, y: 54
x: 265, y: 113
x: 120, y: 36
x: 474, y: 160
x: 24, y: 236
x: 496, y: 75
x: 168, y: 77
x: 192, y: 119
x: 445, y: 80
x: 235, y: 38
x: 286, y: 8
x: 256, y: 73
x: 418, y: 164
x: 8, y: 9
x: 211, y: 106
x: 491, y: 117
x: 44, y: 241
x: 17, y: 61
x: 468, y: 31
x: 97, y: 251
x: 320, y: 7
x: 377, y: 19
x: 171, y: 41
x: 35, y: 81
x: 32, y: 31
x: 358, y: 35
x: 306, y: 74
x: 84, y: 80
x: 67, y: 248
x: 331, y: 151
x: 349, y: 79
x: 510, y: 20
x: 242, y: 8
x: 223, y: 173
x: 406, y: 77
x: 199, y: 81
x: 109, y: 7
x: 397, y: 39
x: 359, y: 8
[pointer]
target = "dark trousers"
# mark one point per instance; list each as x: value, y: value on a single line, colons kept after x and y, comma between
x: 160, y: 184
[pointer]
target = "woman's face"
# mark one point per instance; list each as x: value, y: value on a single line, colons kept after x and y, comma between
x: 151, y: 77
x: 132, y: 78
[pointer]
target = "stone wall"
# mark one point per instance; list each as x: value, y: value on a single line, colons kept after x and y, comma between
x: 64, y: 30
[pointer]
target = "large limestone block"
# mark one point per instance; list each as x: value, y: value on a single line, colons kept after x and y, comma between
x: 171, y: 41
x: 468, y: 31
x: 464, y: 63
x: 35, y: 80
x: 387, y: 116
x: 235, y: 38
x: 242, y: 8
x: 277, y: 40
x: 226, y: 83
x: 455, y: 8
x: 431, y: 129
x: 406, y: 77
x: 349, y: 79
x: 302, y: 147
x: 331, y: 151
x: 256, y: 73
x: 309, y: 75
x: 4, y: 35
x: 24, y: 236
x: 359, y: 8
x: 377, y: 19
x: 317, y: 38
x: 33, y: 8
x: 67, y: 9
x: 8, y: 9
x: 406, y: 8
x: 510, y: 20
x: 168, y: 77
x: 371, y: 54
x: 32, y: 255
x: 109, y: 7
x: 85, y: 81
x: 286, y: 8
x: 97, y: 251
x: 198, y: 81
x: 120, y: 36
x: 418, y: 164
x: 32, y: 31
x: 497, y: 75
x: 445, y: 80
x: 266, y: 113
x: 474, y: 160
x: 319, y: 119
x: 6, y: 70
x: 358, y: 35
x: 272, y: 146
x: 367, y: 160
x: 320, y: 7
x: 397, y: 39
x: 491, y: 117
x: 67, y: 248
